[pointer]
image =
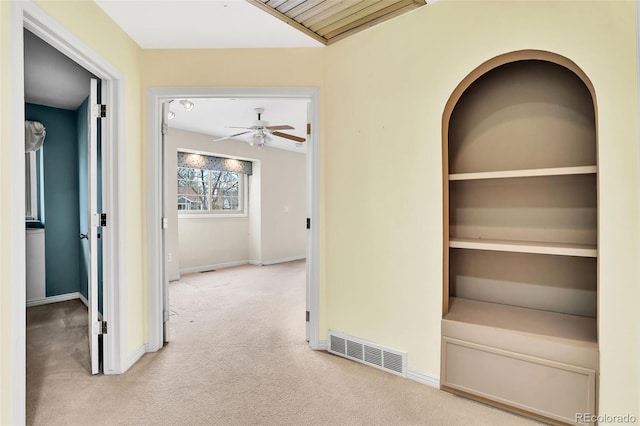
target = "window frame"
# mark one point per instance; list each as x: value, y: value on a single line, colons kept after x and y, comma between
x: 243, y: 202
x: 31, y: 186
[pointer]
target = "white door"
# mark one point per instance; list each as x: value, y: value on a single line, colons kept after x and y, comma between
x: 95, y: 324
x: 166, y: 205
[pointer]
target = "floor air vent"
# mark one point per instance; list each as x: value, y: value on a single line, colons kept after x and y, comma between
x: 368, y: 353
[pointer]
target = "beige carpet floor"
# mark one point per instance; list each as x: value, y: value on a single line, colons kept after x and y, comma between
x: 237, y: 357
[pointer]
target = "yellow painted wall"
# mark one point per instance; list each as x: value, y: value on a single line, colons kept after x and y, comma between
x: 382, y: 96
x: 386, y: 89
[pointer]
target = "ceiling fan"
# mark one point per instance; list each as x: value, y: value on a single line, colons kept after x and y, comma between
x: 261, y: 131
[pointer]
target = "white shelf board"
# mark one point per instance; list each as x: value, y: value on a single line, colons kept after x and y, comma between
x: 557, y: 171
x: 560, y: 249
x: 527, y: 320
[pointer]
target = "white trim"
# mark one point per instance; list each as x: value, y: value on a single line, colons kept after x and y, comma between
x: 174, y: 277
x: 18, y: 264
x: 56, y: 299
x: 26, y: 14
x: 197, y: 215
x: 84, y: 300
x: 323, y: 345
x: 154, y: 184
x: 424, y: 378
x: 206, y: 268
x: 276, y: 261
x: 134, y: 357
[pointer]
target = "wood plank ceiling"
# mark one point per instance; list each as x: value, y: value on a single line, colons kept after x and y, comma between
x: 331, y: 20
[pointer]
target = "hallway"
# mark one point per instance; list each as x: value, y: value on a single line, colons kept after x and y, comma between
x: 237, y: 356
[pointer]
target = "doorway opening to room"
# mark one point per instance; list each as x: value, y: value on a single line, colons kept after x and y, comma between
x: 62, y: 191
x: 43, y: 29
x: 234, y: 214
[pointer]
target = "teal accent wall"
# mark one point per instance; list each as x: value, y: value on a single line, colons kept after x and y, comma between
x: 83, y: 192
x: 61, y: 213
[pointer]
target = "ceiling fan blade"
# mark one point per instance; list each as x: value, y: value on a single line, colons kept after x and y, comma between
x: 281, y: 127
x: 287, y: 136
x: 231, y: 136
x: 239, y: 127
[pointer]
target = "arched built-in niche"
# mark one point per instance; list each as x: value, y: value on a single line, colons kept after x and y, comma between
x: 519, y: 325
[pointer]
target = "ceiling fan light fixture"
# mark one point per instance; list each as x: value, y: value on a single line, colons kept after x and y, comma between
x: 188, y: 105
x: 171, y: 115
x: 260, y: 138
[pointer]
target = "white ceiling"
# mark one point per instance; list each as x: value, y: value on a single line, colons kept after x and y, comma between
x: 188, y: 24
x: 211, y: 116
x: 51, y: 78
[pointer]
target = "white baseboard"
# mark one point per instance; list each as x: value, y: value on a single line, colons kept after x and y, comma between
x: 135, y: 357
x: 83, y: 299
x: 55, y: 299
x: 322, y: 345
x: 206, y: 268
x: 276, y: 261
x: 174, y: 277
x: 424, y: 378
x: 211, y: 267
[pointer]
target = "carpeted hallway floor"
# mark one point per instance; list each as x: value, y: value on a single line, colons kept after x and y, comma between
x: 237, y: 357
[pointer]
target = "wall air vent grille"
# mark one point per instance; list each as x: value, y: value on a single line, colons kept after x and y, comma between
x: 372, y: 354
x: 354, y: 350
x: 392, y: 361
x: 338, y: 345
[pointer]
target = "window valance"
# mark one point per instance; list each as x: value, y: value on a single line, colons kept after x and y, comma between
x: 209, y: 162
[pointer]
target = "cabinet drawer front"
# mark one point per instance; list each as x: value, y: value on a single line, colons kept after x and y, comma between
x: 548, y: 388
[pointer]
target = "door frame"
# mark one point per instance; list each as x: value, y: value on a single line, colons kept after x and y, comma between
x: 155, y: 240
x: 27, y: 15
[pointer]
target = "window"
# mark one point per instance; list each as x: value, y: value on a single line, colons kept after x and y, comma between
x: 209, y: 191
x: 31, y: 186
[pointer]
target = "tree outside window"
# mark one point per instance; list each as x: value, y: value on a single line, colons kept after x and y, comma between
x: 201, y: 190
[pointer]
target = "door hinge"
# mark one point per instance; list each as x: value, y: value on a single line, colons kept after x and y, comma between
x: 308, y: 316
x: 99, y: 110
x: 308, y: 223
x: 103, y: 219
x: 103, y: 327
x: 165, y: 129
x: 308, y: 128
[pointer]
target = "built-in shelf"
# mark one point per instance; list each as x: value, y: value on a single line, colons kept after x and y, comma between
x: 516, y: 318
x: 536, y: 247
x: 556, y: 171
x: 519, y: 326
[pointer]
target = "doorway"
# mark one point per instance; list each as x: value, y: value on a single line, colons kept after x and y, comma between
x: 27, y: 15
x: 233, y: 203
x: 157, y: 218
x: 63, y: 251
